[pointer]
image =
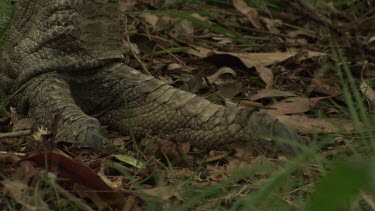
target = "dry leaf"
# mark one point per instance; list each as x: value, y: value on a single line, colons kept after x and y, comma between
x: 249, y: 12
x: 269, y: 93
x: 127, y: 5
x: 165, y: 22
x: 23, y: 124
x: 300, y: 32
x: 254, y: 59
x: 229, y: 90
x: 164, y: 192
x: 368, y: 91
x: 64, y: 167
x: 305, y: 124
x: 216, y: 155
x: 295, y: 105
x: 272, y: 24
x: 150, y: 19
x: 265, y: 74
x: 197, y: 16
x: 22, y: 194
x: 213, y: 79
x: 131, y: 47
x: 183, y: 28
x: 248, y: 59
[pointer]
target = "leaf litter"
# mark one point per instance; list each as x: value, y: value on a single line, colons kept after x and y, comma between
x: 239, y: 55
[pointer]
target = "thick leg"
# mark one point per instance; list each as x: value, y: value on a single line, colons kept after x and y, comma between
x: 48, y: 101
x: 142, y: 104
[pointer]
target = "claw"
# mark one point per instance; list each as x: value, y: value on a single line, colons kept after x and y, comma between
x: 91, y: 138
x: 267, y: 127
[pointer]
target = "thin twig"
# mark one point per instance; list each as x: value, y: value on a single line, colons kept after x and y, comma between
x: 15, y: 134
x: 368, y: 200
x: 170, y: 53
x: 144, y: 68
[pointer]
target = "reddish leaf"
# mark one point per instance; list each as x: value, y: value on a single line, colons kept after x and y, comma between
x: 69, y: 169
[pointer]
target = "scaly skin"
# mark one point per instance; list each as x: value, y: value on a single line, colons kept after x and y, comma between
x: 64, y: 57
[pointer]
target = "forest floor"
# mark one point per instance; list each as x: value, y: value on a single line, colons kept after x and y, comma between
x: 311, y: 65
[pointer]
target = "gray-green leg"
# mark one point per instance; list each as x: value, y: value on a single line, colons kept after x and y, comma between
x: 47, y: 99
x: 143, y: 104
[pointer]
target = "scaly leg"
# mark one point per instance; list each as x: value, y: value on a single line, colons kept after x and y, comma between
x: 47, y: 99
x: 143, y: 104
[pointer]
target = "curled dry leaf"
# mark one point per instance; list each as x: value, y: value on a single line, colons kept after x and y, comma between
x: 249, y: 12
x: 213, y: 79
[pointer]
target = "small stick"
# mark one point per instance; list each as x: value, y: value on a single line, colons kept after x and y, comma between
x: 15, y: 134
x: 144, y: 68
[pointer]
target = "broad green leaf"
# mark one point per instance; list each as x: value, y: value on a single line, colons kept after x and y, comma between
x: 342, y: 184
x: 129, y: 160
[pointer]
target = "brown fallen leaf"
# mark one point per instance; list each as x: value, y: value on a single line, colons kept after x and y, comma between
x: 295, y: 105
x: 213, y: 79
x: 305, y: 124
x: 272, y: 24
x: 23, y: 124
x: 127, y: 5
x: 269, y: 93
x: 183, y: 28
x: 249, y: 12
x: 265, y: 74
x: 216, y: 155
x: 248, y: 59
x: 150, y: 19
x: 164, y: 192
x: 229, y: 90
x: 253, y: 59
x: 247, y: 103
x: 369, y: 92
x: 65, y: 167
x: 21, y: 187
